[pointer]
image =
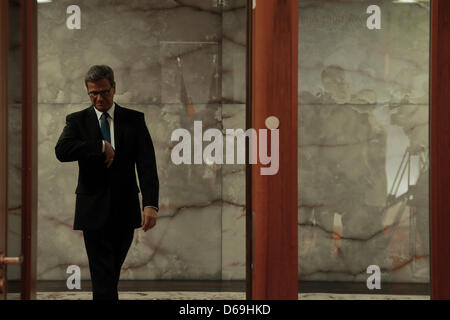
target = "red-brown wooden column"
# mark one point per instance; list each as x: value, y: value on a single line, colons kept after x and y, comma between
x: 274, y: 197
x: 440, y: 150
x: 29, y: 148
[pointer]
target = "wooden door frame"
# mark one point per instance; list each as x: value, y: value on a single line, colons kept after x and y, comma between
x: 29, y: 148
x: 4, y: 38
x: 440, y: 150
x: 28, y: 29
x: 273, y: 211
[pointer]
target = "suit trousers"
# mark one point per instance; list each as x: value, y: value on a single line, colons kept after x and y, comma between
x: 107, y: 249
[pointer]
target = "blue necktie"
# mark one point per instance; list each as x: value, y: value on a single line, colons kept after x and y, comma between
x: 104, y: 127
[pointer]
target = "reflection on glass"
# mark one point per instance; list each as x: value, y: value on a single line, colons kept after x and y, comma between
x: 363, y: 141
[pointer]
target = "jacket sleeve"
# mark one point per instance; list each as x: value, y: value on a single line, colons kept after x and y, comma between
x: 70, y: 147
x: 146, y: 166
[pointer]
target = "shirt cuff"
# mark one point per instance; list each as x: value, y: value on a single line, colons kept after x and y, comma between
x: 103, y: 145
x: 152, y: 207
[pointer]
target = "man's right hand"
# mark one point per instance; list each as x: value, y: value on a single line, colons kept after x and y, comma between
x: 109, y: 154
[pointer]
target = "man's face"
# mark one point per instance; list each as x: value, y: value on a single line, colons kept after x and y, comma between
x: 101, y: 94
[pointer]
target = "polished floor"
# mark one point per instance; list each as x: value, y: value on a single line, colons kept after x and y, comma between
x: 226, y: 290
x: 186, y: 295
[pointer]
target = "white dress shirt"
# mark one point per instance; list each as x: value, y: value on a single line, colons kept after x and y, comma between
x: 110, y: 120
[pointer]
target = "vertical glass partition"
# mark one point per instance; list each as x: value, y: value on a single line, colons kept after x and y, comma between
x: 181, y: 63
x: 14, y: 146
x: 363, y: 143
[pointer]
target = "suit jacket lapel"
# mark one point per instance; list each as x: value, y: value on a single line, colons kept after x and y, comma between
x: 117, y: 126
x: 93, y: 125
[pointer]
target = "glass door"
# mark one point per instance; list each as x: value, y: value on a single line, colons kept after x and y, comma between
x: 181, y: 63
x: 363, y: 145
x: 17, y: 254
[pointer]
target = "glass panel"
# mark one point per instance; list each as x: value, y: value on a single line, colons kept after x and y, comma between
x: 177, y: 62
x: 14, y: 148
x: 363, y: 144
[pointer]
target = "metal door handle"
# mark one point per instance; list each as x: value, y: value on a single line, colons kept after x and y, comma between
x: 7, y: 260
x: 10, y: 260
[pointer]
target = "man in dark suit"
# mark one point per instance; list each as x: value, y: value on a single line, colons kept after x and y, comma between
x: 109, y: 142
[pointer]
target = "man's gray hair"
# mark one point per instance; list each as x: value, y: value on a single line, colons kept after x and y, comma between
x: 99, y: 72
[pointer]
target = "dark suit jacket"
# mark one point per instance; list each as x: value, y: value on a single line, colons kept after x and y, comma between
x: 104, y: 193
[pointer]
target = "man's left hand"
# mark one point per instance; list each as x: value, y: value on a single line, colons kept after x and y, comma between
x: 148, y: 218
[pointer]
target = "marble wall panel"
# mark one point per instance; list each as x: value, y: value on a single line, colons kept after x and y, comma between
x: 391, y: 63
x: 58, y: 245
x: 142, y: 40
x: 186, y: 245
x: 397, y: 250
x: 14, y: 186
x: 363, y: 106
x: 233, y: 196
x: 234, y: 52
x: 348, y: 160
x: 188, y: 242
x: 128, y: 36
x: 190, y: 72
